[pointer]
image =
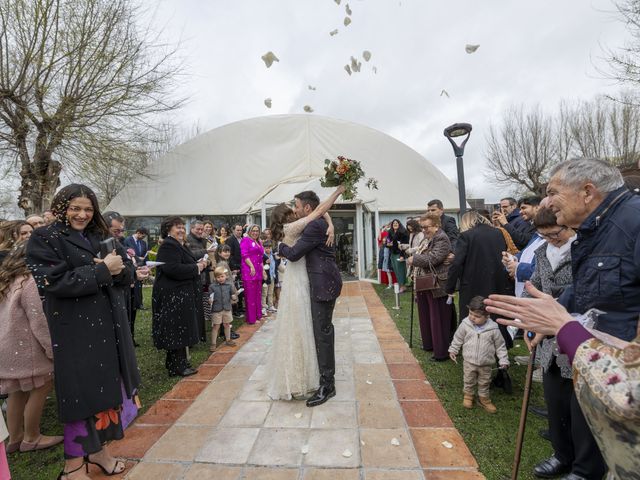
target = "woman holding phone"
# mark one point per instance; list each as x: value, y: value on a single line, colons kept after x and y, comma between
x: 96, y: 374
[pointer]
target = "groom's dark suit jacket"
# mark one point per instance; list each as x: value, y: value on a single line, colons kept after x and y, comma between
x: 324, y: 276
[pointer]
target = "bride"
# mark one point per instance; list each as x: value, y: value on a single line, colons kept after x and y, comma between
x: 292, y: 363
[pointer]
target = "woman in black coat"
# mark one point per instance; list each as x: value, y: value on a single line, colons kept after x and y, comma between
x: 177, y: 298
x: 96, y: 374
x: 478, y: 264
x: 398, y: 235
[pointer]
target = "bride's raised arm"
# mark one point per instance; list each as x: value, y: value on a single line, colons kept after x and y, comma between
x: 324, y: 206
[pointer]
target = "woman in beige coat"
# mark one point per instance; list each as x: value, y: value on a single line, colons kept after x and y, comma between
x: 26, y: 369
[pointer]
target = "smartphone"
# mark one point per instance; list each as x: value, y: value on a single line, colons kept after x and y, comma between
x: 107, y: 246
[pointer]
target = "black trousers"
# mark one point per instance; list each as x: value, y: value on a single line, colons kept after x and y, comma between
x: 571, y: 437
x: 176, y: 360
x: 322, y: 315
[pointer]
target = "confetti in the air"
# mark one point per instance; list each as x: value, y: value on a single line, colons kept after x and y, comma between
x: 337, y: 1
x: 348, y: 9
x: 471, y: 48
x: 366, y: 55
x: 348, y: 69
x: 307, y: 108
x: 268, y: 58
x: 444, y: 92
x: 333, y: 32
x: 355, y: 65
x: 374, y: 69
x: 267, y: 102
x: 311, y: 87
x: 347, y: 21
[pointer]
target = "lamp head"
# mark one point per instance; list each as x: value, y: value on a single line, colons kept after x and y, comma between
x: 457, y: 130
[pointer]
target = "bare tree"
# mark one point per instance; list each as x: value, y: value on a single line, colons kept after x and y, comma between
x: 521, y: 151
x: 80, y: 83
x: 624, y: 62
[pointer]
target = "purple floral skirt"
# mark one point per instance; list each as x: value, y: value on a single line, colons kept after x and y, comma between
x: 87, y: 436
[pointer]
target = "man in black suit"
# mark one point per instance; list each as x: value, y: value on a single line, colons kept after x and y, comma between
x: 448, y: 223
x: 234, y: 262
x: 325, y: 285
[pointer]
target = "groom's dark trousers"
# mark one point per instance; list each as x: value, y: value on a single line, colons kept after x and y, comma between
x: 325, y: 284
x: 322, y: 313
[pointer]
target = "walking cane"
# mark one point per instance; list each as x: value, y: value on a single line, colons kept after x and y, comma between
x: 411, y: 321
x: 523, y: 415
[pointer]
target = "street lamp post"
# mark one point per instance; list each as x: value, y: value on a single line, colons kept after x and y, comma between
x: 451, y: 132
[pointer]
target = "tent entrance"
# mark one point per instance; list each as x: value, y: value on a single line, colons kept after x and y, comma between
x: 346, y: 252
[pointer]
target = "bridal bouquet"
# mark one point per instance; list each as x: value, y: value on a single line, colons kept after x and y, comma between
x: 347, y: 172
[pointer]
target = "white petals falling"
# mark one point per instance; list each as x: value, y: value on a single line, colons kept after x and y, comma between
x: 268, y: 58
x: 444, y: 92
x: 366, y: 55
x: 348, y: 9
x: 471, y: 48
x: 333, y: 32
x: 267, y: 102
x: 347, y: 21
x: 307, y: 108
x: 348, y: 70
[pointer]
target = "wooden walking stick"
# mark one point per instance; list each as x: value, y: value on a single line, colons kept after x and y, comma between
x: 411, y: 321
x: 523, y: 414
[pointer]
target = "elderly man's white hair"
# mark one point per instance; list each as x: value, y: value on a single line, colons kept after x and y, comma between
x: 576, y: 172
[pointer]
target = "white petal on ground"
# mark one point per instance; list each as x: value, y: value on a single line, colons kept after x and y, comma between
x: 267, y: 102
x: 366, y: 55
x: 348, y: 9
x: 444, y: 92
x: 333, y: 32
x: 347, y: 453
x: 268, y: 58
x: 347, y: 21
x: 298, y: 415
x: 471, y: 48
x: 307, y: 108
x: 348, y: 69
x: 305, y: 449
x: 446, y: 444
x: 395, y: 441
x: 369, y: 382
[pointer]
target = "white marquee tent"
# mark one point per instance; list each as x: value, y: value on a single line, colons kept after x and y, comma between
x: 248, y: 166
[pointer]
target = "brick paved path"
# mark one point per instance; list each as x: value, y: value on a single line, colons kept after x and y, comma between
x: 221, y: 425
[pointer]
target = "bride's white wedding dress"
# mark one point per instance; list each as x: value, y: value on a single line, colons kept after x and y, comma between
x: 292, y: 365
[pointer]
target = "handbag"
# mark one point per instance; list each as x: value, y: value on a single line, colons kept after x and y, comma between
x: 427, y: 281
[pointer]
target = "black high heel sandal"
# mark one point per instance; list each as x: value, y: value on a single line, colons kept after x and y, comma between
x: 64, y: 474
x: 115, y: 470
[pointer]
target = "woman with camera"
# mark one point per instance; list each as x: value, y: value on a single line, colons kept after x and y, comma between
x: 96, y: 375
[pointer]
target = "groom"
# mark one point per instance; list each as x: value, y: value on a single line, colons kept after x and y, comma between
x: 325, y: 284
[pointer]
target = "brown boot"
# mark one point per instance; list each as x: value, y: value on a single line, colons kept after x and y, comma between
x: 485, y: 402
x: 467, y: 402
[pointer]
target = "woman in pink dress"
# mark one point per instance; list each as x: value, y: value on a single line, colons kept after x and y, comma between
x: 251, y: 252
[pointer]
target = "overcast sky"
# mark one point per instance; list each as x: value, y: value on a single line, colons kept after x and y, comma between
x: 530, y: 52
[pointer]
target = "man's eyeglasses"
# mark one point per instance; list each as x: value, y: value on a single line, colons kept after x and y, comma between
x: 552, y: 235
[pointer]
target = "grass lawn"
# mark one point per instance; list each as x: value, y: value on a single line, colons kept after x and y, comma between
x: 46, y: 464
x: 491, y: 438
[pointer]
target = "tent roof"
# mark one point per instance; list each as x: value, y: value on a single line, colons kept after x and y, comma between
x: 230, y: 169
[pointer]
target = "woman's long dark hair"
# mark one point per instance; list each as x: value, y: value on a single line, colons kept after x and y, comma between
x: 14, y: 266
x: 280, y: 215
x: 393, y: 234
x: 63, y: 198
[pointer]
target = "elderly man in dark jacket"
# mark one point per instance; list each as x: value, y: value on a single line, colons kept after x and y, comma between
x: 197, y: 244
x: 589, y: 196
